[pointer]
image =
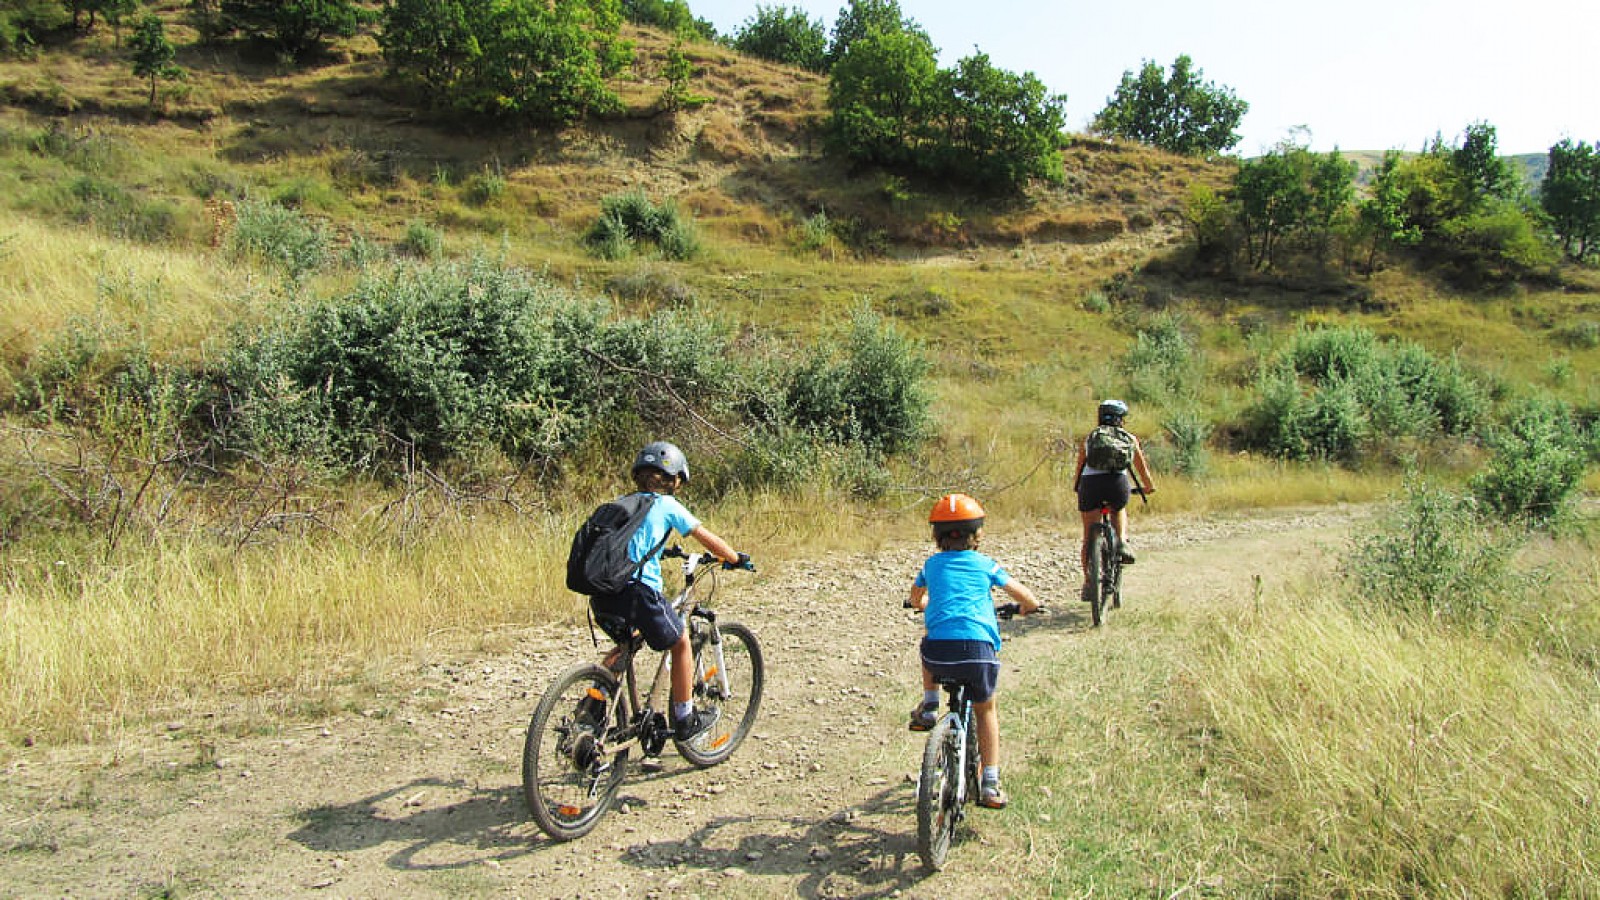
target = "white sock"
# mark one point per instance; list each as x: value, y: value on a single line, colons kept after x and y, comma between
x: 930, y: 698
x: 681, y: 711
x: 991, y: 774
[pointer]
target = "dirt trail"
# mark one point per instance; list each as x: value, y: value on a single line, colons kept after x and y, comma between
x: 420, y: 794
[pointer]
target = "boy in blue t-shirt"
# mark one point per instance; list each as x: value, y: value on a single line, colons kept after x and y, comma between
x: 661, y: 469
x: 963, y: 634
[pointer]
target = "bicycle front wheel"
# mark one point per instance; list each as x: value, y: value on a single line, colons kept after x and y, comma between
x: 728, y: 678
x: 569, y: 777
x: 938, y: 795
x: 1099, y: 576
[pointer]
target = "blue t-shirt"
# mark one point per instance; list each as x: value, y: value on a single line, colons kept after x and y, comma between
x: 666, y: 514
x: 959, y: 605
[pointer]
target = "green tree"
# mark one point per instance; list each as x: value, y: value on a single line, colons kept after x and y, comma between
x: 993, y: 128
x: 1570, y: 196
x: 1179, y: 113
x: 1292, y: 192
x: 784, y: 35
x: 1382, y: 212
x: 22, y: 21
x: 880, y: 93
x: 153, y: 53
x: 293, y: 27
x: 671, y: 16
x: 862, y: 17
x: 543, y: 62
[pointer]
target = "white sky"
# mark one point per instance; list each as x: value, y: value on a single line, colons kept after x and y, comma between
x: 1359, y: 74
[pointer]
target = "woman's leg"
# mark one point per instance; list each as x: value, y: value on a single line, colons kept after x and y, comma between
x: 1089, y: 518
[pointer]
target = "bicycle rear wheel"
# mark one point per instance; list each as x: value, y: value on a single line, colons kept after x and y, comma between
x: 728, y: 678
x: 1099, y: 576
x: 569, y: 778
x: 938, y: 795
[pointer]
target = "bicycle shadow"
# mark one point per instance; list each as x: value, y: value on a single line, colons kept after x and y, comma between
x: 475, y: 825
x: 441, y: 824
x: 840, y: 854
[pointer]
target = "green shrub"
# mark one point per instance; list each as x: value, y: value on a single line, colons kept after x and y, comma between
x: 1538, y: 463
x: 485, y: 188
x: 281, y: 237
x: 873, y: 393
x: 1340, y: 393
x: 422, y: 241
x: 1163, y: 363
x: 1433, y: 555
x: 1187, y: 432
x: 630, y: 219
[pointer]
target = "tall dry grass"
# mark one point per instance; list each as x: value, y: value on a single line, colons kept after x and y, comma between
x: 1393, y: 758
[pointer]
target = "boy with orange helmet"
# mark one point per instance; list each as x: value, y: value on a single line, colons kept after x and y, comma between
x: 962, y: 639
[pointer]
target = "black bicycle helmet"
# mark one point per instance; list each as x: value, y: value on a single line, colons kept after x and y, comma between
x: 664, y: 456
x: 1112, y: 412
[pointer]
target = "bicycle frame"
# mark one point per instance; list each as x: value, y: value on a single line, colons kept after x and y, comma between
x: 643, y: 724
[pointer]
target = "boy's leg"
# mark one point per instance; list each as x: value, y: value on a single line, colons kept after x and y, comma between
x: 682, y: 670
x: 988, y: 720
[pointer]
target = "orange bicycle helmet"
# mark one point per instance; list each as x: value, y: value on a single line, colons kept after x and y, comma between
x: 956, y: 512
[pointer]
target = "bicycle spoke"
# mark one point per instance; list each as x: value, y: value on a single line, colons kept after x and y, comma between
x: 729, y: 676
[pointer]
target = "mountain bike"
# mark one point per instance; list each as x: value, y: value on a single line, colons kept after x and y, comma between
x: 593, y: 716
x: 950, y: 769
x: 1104, y: 561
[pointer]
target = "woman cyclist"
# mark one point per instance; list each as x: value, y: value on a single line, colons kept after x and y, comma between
x: 1101, y: 478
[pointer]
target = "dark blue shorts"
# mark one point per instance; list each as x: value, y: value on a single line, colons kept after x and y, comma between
x: 973, y: 663
x: 1112, y: 488
x: 637, y: 606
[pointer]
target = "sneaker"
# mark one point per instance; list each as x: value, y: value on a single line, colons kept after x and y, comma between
x: 694, y: 724
x: 991, y: 795
x: 1126, y: 553
x: 925, y: 716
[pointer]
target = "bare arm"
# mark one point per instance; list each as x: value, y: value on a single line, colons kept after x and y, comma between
x: 1077, y: 472
x: 1141, y: 468
x: 719, y: 547
x: 1026, y: 602
x: 918, y: 599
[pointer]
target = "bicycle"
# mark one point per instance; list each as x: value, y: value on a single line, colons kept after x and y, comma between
x: 591, y: 717
x: 1104, y: 561
x: 950, y: 769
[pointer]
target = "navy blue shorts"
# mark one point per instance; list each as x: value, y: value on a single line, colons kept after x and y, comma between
x: 973, y: 663
x: 637, y: 606
x: 1112, y: 488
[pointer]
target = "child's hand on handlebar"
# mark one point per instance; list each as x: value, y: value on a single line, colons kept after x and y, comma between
x: 742, y: 563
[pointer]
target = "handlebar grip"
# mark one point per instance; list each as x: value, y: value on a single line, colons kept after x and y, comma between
x: 1007, y: 610
x: 674, y: 552
x: 743, y: 563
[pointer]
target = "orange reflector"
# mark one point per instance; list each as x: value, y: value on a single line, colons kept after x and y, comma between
x: 568, y: 811
x: 710, y: 673
x: 597, y: 694
x: 720, y: 741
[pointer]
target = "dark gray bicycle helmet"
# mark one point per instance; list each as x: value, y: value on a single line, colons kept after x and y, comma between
x: 664, y: 456
x: 1112, y: 412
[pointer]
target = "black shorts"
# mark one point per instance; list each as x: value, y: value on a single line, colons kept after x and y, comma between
x: 637, y: 606
x: 972, y: 663
x: 1111, y: 488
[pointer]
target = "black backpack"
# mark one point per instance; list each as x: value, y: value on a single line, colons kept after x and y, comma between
x: 598, y: 562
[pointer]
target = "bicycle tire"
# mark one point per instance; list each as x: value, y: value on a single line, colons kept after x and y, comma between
x: 745, y: 669
x: 1098, y: 558
x: 568, y: 779
x: 938, y: 793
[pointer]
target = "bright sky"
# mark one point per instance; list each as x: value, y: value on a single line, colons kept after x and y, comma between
x: 1359, y: 74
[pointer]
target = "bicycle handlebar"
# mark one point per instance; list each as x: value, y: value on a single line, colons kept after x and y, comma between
x: 705, y: 556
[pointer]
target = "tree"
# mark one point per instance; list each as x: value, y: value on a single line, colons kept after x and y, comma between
x: 1382, y: 213
x: 293, y: 27
x: 671, y: 16
x: 784, y: 35
x: 1482, y: 174
x: 153, y: 53
x: 1291, y: 192
x: 540, y: 61
x: 1179, y: 113
x: 1570, y: 196
x: 993, y: 128
x: 22, y: 21
x: 882, y: 90
x: 862, y: 17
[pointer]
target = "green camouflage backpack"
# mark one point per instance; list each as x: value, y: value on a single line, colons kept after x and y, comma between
x: 1109, y: 449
